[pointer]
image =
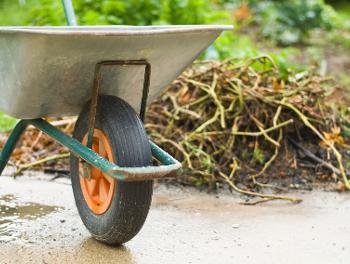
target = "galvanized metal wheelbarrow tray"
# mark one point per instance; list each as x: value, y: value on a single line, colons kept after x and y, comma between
x: 54, y: 71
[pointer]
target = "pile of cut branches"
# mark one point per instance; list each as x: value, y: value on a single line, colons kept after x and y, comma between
x: 239, y: 123
x: 36, y: 150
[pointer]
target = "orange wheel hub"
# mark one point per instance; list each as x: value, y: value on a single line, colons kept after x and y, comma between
x: 98, y: 190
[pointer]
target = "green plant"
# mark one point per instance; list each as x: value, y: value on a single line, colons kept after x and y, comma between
x: 258, y: 156
x: 6, y: 122
x: 13, y: 12
x: 118, y: 12
x: 45, y: 13
x: 290, y: 22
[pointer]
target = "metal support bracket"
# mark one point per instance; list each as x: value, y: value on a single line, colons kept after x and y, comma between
x: 96, y: 90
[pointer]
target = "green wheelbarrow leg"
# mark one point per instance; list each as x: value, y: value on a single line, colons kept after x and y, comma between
x: 11, y: 143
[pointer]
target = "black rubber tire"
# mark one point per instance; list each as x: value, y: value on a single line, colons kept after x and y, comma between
x: 131, y: 202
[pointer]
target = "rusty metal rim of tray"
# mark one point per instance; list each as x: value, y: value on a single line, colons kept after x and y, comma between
x: 169, y: 166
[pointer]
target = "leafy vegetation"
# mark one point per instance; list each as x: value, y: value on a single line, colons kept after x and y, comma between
x: 290, y: 22
x: 6, y: 122
x: 117, y: 12
x: 286, y: 22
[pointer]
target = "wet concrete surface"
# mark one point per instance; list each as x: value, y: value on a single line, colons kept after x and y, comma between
x: 40, y: 224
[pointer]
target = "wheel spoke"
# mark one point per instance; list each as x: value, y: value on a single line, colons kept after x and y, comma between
x: 108, y: 178
x: 101, y: 148
x: 103, y: 189
x: 92, y: 186
x: 95, y: 143
x: 96, y: 199
x: 95, y: 173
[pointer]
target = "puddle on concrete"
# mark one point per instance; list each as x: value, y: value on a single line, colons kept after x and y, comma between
x: 13, y: 214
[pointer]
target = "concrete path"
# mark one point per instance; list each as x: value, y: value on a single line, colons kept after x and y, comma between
x: 40, y: 224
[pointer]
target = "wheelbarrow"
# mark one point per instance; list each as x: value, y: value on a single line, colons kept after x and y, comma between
x: 106, y: 75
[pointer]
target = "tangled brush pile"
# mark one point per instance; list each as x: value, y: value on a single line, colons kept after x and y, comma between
x: 229, y: 121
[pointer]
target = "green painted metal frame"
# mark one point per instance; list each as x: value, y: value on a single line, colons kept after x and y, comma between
x: 169, y: 167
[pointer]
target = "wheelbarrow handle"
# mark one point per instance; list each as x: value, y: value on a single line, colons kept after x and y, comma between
x: 69, y: 12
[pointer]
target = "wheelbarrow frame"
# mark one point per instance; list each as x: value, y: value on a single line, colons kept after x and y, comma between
x: 170, y: 165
